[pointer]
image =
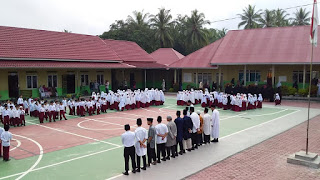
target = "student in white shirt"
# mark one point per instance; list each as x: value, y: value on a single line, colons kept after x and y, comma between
x: 52, y: 110
x: 1, y: 131
x: 206, y: 126
x: 26, y: 107
x: 20, y: 101
x: 6, y: 115
x: 128, y: 140
x: 196, y: 127
x: 141, y: 145
x: 162, y: 132
x: 62, y: 111
x: 6, y: 137
x: 22, y: 116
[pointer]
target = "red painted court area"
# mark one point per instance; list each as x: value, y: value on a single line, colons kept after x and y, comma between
x: 78, y: 131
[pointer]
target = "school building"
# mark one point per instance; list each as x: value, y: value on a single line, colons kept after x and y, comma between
x: 68, y: 62
x: 284, y: 53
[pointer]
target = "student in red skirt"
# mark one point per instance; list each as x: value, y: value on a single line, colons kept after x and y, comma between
x: 260, y: 99
x: 62, y: 111
x: 22, y: 116
x: 6, y: 137
x: 277, y: 99
x: 41, y: 113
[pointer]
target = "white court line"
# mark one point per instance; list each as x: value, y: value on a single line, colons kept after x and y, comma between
x: 232, y: 116
x: 259, y: 124
x: 18, y: 145
x: 38, y: 160
x: 119, y: 175
x: 269, y: 113
x: 59, y: 130
x: 79, y: 124
x: 62, y: 162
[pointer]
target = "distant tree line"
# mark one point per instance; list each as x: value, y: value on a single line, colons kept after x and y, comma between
x: 187, y: 33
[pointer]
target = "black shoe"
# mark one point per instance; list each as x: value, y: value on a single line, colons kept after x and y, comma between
x: 168, y: 157
x: 144, y: 168
x: 125, y: 173
x: 213, y: 141
x: 155, y: 163
x: 173, y: 156
x: 148, y: 165
x: 192, y: 149
x: 184, y: 151
x: 189, y: 150
x: 163, y: 159
x: 158, y: 161
x: 134, y: 171
x: 138, y: 170
x: 180, y: 152
x: 176, y: 154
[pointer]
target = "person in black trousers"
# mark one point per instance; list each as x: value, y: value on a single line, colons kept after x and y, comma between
x: 128, y: 140
x: 151, y: 149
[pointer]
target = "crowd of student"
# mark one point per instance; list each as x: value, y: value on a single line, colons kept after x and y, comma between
x: 14, y: 113
x: 169, y: 140
x: 236, y: 102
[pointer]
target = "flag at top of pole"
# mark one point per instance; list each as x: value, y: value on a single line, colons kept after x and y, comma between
x: 314, y: 25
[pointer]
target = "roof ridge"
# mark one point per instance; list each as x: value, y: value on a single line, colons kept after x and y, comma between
x: 72, y: 33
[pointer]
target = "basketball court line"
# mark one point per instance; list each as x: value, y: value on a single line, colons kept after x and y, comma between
x: 18, y: 144
x: 62, y: 162
x: 38, y: 160
x: 66, y: 132
x: 79, y: 124
x: 88, y: 155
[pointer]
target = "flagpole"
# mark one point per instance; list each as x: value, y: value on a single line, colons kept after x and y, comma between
x: 307, y: 143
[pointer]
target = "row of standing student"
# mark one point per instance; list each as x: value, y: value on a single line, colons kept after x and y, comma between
x: 165, y: 139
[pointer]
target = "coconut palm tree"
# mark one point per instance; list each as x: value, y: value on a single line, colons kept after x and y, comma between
x: 250, y: 18
x: 267, y: 18
x: 139, y: 19
x: 301, y: 17
x: 163, y: 25
x: 281, y: 18
x: 195, y: 32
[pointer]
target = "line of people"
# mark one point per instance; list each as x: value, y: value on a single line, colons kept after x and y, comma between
x: 238, y: 102
x: 165, y: 141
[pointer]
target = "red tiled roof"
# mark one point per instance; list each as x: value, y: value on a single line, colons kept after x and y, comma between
x: 128, y: 50
x: 166, y: 56
x: 21, y: 43
x: 200, y: 58
x: 147, y: 65
x: 279, y: 45
x: 61, y: 64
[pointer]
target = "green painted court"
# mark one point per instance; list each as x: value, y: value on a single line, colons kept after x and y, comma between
x: 90, y: 147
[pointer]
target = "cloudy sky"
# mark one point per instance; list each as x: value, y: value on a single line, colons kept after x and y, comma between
x: 95, y: 16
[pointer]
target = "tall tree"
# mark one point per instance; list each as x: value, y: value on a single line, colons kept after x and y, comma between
x: 196, y: 34
x: 267, y: 18
x: 139, y: 19
x: 250, y: 18
x: 163, y: 27
x: 301, y: 17
x: 281, y: 18
x: 216, y: 34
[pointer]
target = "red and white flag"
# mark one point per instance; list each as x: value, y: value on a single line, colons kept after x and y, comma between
x: 314, y: 25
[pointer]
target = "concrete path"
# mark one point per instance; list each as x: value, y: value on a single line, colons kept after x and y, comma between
x: 207, y: 155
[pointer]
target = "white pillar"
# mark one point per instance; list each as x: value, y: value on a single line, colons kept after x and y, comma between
x: 304, y: 76
x: 197, y: 80
x: 273, y: 71
x: 145, y: 78
x: 220, y: 78
x: 245, y: 75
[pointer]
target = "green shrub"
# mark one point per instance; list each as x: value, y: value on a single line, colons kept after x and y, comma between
x: 284, y: 90
x: 171, y: 90
x: 303, y: 92
x: 314, y: 90
x: 292, y: 91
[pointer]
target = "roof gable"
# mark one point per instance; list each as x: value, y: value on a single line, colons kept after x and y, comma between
x: 200, y: 58
x: 21, y: 43
x: 166, y: 56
